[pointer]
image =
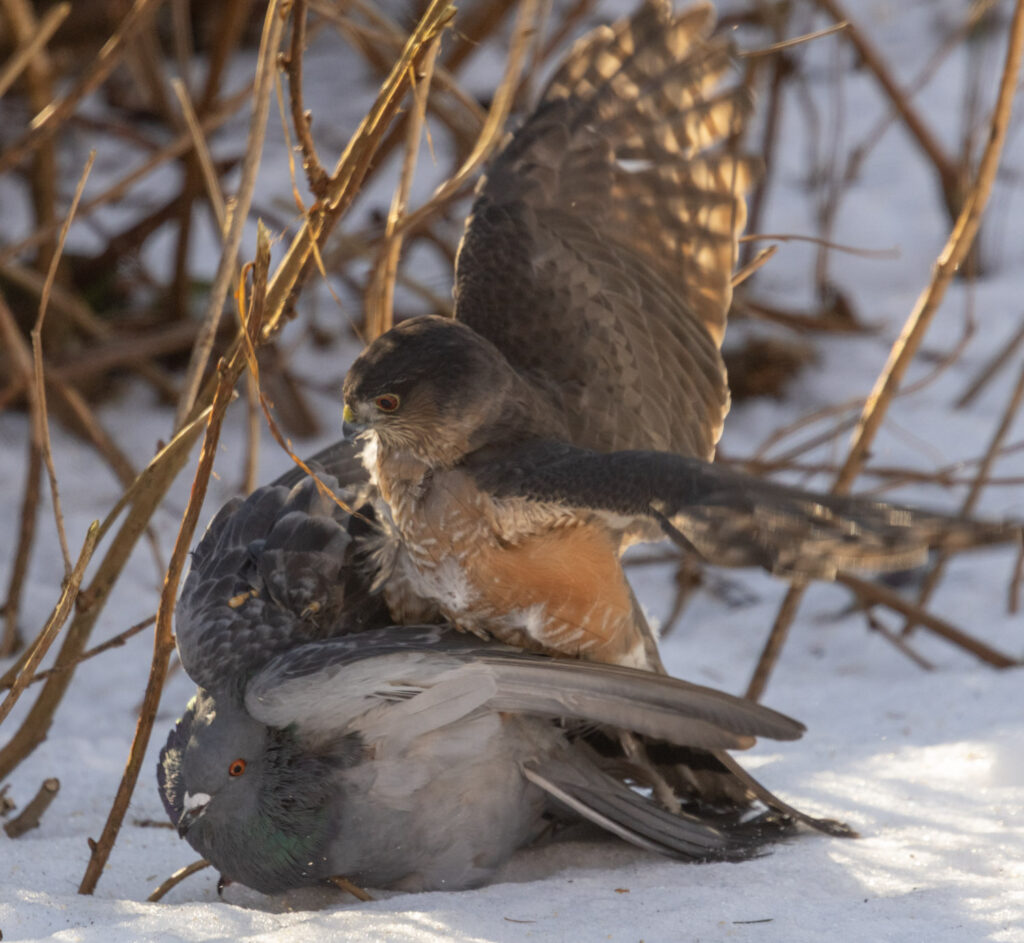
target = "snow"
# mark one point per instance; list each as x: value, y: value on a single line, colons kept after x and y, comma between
x: 928, y: 766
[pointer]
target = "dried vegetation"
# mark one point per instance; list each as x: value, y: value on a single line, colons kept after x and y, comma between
x: 74, y: 325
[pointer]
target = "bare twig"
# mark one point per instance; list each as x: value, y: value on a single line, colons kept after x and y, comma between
x: 795, y: 41
x: 381, y: 289
x: 493, y: 129
x: 33, y: 812
x: 894, y: 639
x: 54, y: 624
x: 877, y: 593
x: 992, y: 368
x: 949, y: 176
x: 905, y: 347
x: 39, y: 416
x: 1013, y: 596
x: 21, y: 19
x: 346, y: 885
x: 934, y: 575
x: 202, y: 151
x: 302, y: 120
x: 180, y: 145
x: 163, y: 641
x: 142, y: 497
x: 890, y: 253
x: 29, y: 47
x: 116, y: 642
x: 51, y: 118
x: 270, y: 41
x: 749, y: 268
x: 352, y: 166
x: 21, y: 359
x: 175, y: 879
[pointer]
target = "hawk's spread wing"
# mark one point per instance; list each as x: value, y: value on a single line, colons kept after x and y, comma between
x: 599, y: 253
x: 730, y: 518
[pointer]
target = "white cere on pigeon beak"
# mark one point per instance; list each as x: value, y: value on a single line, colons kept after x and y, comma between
x: 195, y: 803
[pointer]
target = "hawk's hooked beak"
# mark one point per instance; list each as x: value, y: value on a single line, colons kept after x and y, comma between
x: 350, y: 427
x: 193, y: 806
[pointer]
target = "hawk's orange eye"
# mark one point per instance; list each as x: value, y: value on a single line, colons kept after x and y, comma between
x: 387, y: 403
x: 237, y: 767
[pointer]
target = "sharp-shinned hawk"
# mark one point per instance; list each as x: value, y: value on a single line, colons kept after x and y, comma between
x: 574, y: 401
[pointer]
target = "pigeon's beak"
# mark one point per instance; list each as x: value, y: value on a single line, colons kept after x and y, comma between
x: 193, y: 807
x: 350, y: 427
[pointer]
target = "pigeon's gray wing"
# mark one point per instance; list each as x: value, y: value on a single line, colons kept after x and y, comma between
x: 394, y: 685
x: 599, y: 252
x: 727, y: 517
x: 272, y: 571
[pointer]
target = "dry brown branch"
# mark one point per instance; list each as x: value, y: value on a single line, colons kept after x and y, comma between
x: 39, y: 81
x: 175, y: 879
x: 180, y: 145
x: 117, y: 352
x: 143, y: 497
x: 30, y: 47
x: 21, y: 360
x: 228, y: 33
x: 163, y: 641
x: 992, y: 368
x: 894, y: 639
x: 943, y: 477
x: 859, y: 153
x: 39, y: 415
x: 391, y: 41
x: 494, y: 128
x: 148, y: 490
x: 380, y: 293
x: 857, y: 404
x: 795, y: 41
x: 877, y: 593
x: 1013, y: 595
x: 346, y: 885
x: 251, y: 462
x: 890, y: 253
x: 302, y: 119
x: 953, y: 254
x: 749, y: 268
x: 934, y: 575
x: 48, y: 121
x: 53, y: 625
x: 202, y: 152
x: 822, y: 323
x: 27, y: 518
x: 949, y: 175
x: 7, y: 679
x: 352, y: 166
x: 270, y: 42
x: 33, y: 812
x: 70, y: 306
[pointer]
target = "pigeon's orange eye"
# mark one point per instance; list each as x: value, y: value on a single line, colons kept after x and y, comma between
x: 387, y: 403
x: 237, y: 767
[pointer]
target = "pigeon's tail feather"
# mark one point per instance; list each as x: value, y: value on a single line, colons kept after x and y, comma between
x: 612, y: 805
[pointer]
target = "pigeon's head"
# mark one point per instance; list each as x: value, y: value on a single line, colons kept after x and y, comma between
x: 432, y: 386
x: 246, y: 797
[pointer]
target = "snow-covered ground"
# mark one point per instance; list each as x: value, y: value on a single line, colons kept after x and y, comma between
x: 928, y: 766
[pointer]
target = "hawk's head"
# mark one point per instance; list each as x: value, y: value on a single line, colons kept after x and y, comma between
x: 432, y: 386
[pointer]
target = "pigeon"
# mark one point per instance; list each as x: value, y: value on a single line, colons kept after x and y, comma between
x: 420, y: 758
x: 325, y: 741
